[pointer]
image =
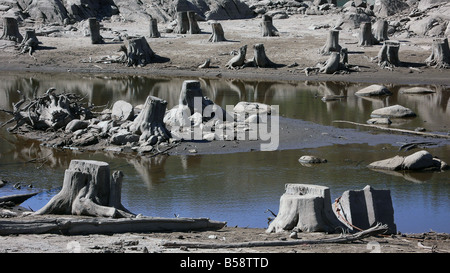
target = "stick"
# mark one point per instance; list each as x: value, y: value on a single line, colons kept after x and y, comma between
x: 341, y: 239
x: 393, y: 129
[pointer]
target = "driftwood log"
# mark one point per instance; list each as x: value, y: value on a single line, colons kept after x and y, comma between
x: 88, y: 189
x: 137, y: 52
x: 440, y: 54
x: 365, y: 35
x: 332, y: 43
x: 267, y: 27
x: 217, y: 33
x: 260, y: 58
x: 94, y: 29
x: 238, y: 61
x: 380, y: 31
x: 183, y: 22
x: 154, y: 33
x: 11, y: 30
x: 388, y: 54
x: 193, y: 25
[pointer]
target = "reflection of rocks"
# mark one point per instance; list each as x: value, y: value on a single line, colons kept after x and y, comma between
x: 417, y: 90
x: 419, y: 161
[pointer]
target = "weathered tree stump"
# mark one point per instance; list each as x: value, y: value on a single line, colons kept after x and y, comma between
x: 332, y: 44
x: 11, y: 30
x: 137, y: 52
x: 440, y: 54
x: 238, y: 60
x: 193, y: 25
x: 380, y: 31
x: 94, y: 29
x: 305, y: 207
x: 149, y: 123
x: 183, y: 22
x: 267, y: 27
x: 88, y: 189
x: 365, y: 35
x: 332, y: 64
x: 154, y: 33
x: 30, y: 42
x: 217, y: 33
x: 259, y: 58
x: 388, y: 54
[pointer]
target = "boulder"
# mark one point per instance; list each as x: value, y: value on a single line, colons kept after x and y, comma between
x: 418, y: 161
x: 417, y: 90
x: 395, y: 111
x: 391, y: 164
x: 384, y: 8
x: 374, y: 90
x: 122, y: 137
x: 310, y: 159
x: 75, y: 125
x: 228, y: 9
x: 122, y: 111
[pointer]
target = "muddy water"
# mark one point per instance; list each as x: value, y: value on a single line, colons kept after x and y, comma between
x: 237, y: 188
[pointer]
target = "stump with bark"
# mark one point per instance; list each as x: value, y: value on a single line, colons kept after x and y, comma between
x: 365, y: 35
x: 380, y: 31
x: 88, y: 189
x: 388, y: 54
x: 332, y: 44
x: 183, y: 22
x: 267, y: 27
x: 259, y: 58
x: 154, y: 33
x: 11, y: 30
x: 149, y: 123
x: 30, y: 42
x: 137, y: 52
x: 193, y: 25
x: 217, y: 33
x: 440, y: 54
x: 331, y: 65
x: 94, y: 29
x: 239, y: 60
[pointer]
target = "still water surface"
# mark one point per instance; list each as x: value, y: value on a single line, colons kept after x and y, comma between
x: 237, y: 188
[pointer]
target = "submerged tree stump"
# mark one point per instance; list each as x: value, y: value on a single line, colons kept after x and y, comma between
x: 440, y: 54
x: 332, y: 44
x: 88, y: 189
x: 94, y: 29
x: 193, y: 25
x: 267, y: 27
x: 11, y: 30
x: 365, y: 35
x: 259, y: 58
x: 154, y: 33
x: 137, y: 52
x: 183, y: 22
x: 217, y: 33
x: 149, y: 123
x: 238, y: 60
x: 380, y: 31
x: 388, y: 54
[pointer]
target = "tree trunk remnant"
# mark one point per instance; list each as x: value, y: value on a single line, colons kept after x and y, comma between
x: 149, y: 123
x: 88, y: 189
x: 183, y: 22
x: 238, y: 60
x: 365, y: 34
x: 217, y: 33
x: 193, y: 25
x: 137, y: 52
x: 267, y: 27
x: 11, y: 30
x: 154, y: 33
x: 331, y: 65
x: 30, y: 42
x: 388, y: 54
x: 440, y: 54
x: 380, y: 31
x: 332, y: 44
x: 260, y: 59
x: 94, y: 29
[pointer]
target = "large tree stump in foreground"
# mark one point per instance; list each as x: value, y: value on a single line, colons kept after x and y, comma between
x: 388, y: 54
x: 88, y: 189
x: 217, y: 33
x: 137, y: 52
x: 11, y: 30
x: 193, y: 25
x: 259, y: 58
x: 332, y: 44
x: 154, y: 33
x: 305, y: 207
x: 94, y: 29
x: 365, y: 35
x: 149, y: 123
x: 267, y: 27
x: 380, y: 31
x: 440, y: 54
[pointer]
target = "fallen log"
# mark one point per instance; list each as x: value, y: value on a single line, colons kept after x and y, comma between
x: 377, y: 229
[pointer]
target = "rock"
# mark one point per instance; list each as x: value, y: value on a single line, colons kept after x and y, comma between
x: 395, y: 111
x: 417, y: 161
x: 384, y: 8
x: 310, y: 159
x: 209, y: 136
x: 374, y: 90
x: 228, y: 9
x: 252, y: 108
x: 381, y: 121
x: 390, y: 164
x: 75, y: 125
x: 123, y: 137
x: 417, y: 90
x: 122, y: 111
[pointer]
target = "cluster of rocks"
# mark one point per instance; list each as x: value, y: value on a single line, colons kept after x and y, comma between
x: 418, y: 161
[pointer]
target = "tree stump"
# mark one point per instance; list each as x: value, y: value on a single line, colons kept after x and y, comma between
x: 388, y: 54
x: 137, y: 52
x: 193, y: 25
x: 331, y: 65
x: 238, y: 60
x: 259, y: 58
x: 94, y: 29
x: 88, y: 189
x: 149, y: 123
x: 11, y: 30
x: 365, y: 35
x: 30, y: 42
x: 380, y: 31
x: 332, y: 44
x: 154, y: 33
x: 217, y: 33
x: 305, y: 207
x: 267, y: 27
x: 440, y: 54
x: 183, y: 22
